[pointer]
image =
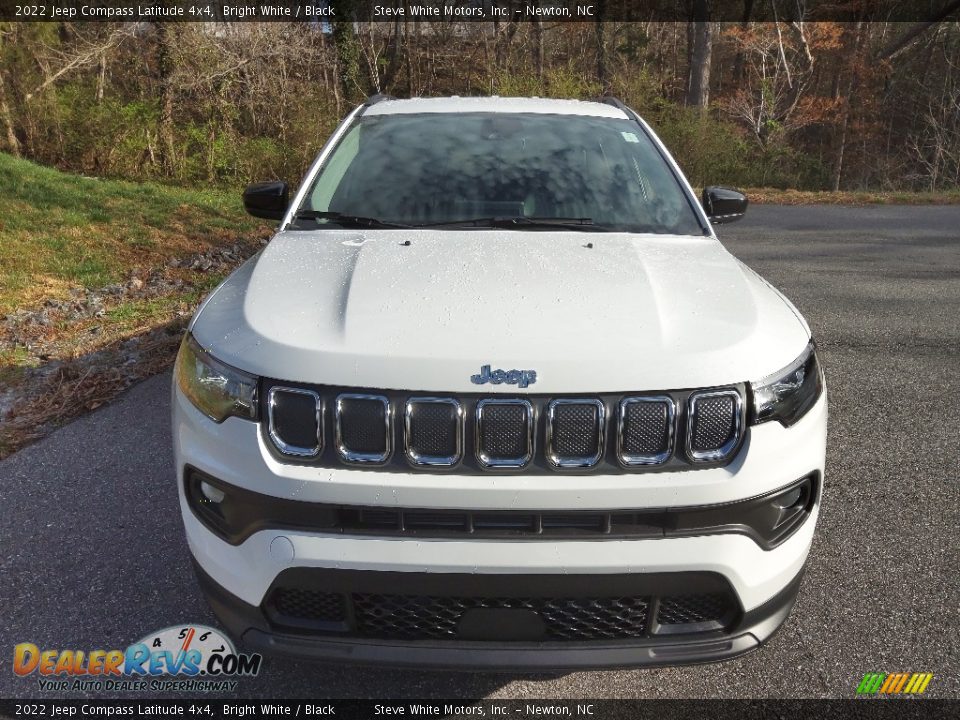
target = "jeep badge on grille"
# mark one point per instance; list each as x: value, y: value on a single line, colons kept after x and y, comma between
x: 520, y: 378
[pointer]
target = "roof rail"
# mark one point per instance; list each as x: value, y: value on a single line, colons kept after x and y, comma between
x: 616, y: 102
x: 379, y: 97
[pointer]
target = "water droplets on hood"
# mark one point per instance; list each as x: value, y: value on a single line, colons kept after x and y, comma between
x: 531, y: 297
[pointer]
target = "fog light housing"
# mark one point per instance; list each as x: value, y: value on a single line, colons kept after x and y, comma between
x: 211, y: 493
x: 788, y: 509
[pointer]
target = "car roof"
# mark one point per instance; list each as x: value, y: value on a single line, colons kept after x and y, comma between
x: 494, y: 104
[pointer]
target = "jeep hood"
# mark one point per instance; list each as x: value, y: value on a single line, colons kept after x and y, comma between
x: 631, y: 313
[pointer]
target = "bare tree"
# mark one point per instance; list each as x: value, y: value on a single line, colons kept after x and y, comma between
x: 538, y: 48
x: 13, y: 145
x: 701, y: 54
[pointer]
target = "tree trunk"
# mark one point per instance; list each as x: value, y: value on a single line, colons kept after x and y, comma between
x: 13, y: 145
x: 853, y: 71
x: 601, y: 50
x: 538, y: 48
x: 738, y: 60
x: 165, y: 67
x: 348, y: 50
x: 698, y: 86
x: 101, y: 77
x: 497, y: 49
x: 408, y: 49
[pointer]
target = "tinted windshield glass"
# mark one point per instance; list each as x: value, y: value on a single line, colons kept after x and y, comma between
x: 440, y: 168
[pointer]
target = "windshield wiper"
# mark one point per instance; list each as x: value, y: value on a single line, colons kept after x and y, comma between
x: 346, y: 220
x: 521, y: 222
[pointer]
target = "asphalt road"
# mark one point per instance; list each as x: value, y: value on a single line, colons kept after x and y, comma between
x: 92, y: 553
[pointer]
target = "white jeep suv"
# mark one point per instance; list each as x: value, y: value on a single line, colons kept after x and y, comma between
x: 495, y: 395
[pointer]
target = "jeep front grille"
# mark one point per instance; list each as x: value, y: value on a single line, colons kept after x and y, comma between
x: 611, y: 434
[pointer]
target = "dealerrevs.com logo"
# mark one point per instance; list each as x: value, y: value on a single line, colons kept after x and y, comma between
x: 192, y: 658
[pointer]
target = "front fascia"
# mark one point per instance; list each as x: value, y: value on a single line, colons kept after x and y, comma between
x: 771, y: 457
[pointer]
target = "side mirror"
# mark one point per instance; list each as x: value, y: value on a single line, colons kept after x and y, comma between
x: 267, y: 199
x: 723, y: 205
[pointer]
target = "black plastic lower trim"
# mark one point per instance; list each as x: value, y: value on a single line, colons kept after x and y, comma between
x: 243, y: 512
x: 248, y: 624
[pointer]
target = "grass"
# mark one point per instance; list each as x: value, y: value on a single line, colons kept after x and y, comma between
x: 59, y: 231
x: 851, y: 197
x: 62, y: 235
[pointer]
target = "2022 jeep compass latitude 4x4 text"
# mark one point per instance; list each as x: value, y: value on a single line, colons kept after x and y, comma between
x: 494, y: 395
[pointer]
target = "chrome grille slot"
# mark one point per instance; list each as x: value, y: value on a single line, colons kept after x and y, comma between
x: 714, y: 421
x: 575, y: 432
x: 645, y: 430
x: 504, y: 436
x: 363, y: 428
x: 433, y: 431
x: 295, y: 421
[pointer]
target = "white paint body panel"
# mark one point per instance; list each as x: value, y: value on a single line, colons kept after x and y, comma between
x: 635, y: 312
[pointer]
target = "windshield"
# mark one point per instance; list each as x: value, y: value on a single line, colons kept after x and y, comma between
x: 481, y: 169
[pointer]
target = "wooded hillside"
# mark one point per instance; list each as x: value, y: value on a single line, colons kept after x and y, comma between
x: 810, y: 105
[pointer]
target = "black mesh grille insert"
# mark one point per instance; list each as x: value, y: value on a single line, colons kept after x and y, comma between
x: 714, y: 422
x: 419, y: 616
x: 302, y: 604
x: 683, y: 609
x: 646, y: 428
x: 361, y: 605
x: 576, y: 430
x: 362, y: 426
x: 294, y: 419
x: 504, y: 431
x: 433, y: 429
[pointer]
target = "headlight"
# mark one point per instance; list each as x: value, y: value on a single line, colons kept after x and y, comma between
x: 217, y: 390
x: 789, y: 393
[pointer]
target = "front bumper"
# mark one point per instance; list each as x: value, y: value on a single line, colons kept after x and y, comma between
x: 238, y: 578
x: 249, y: 624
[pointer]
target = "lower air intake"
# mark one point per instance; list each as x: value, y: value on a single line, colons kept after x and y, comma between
x: 413, y: 617
x: 301, y: 604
